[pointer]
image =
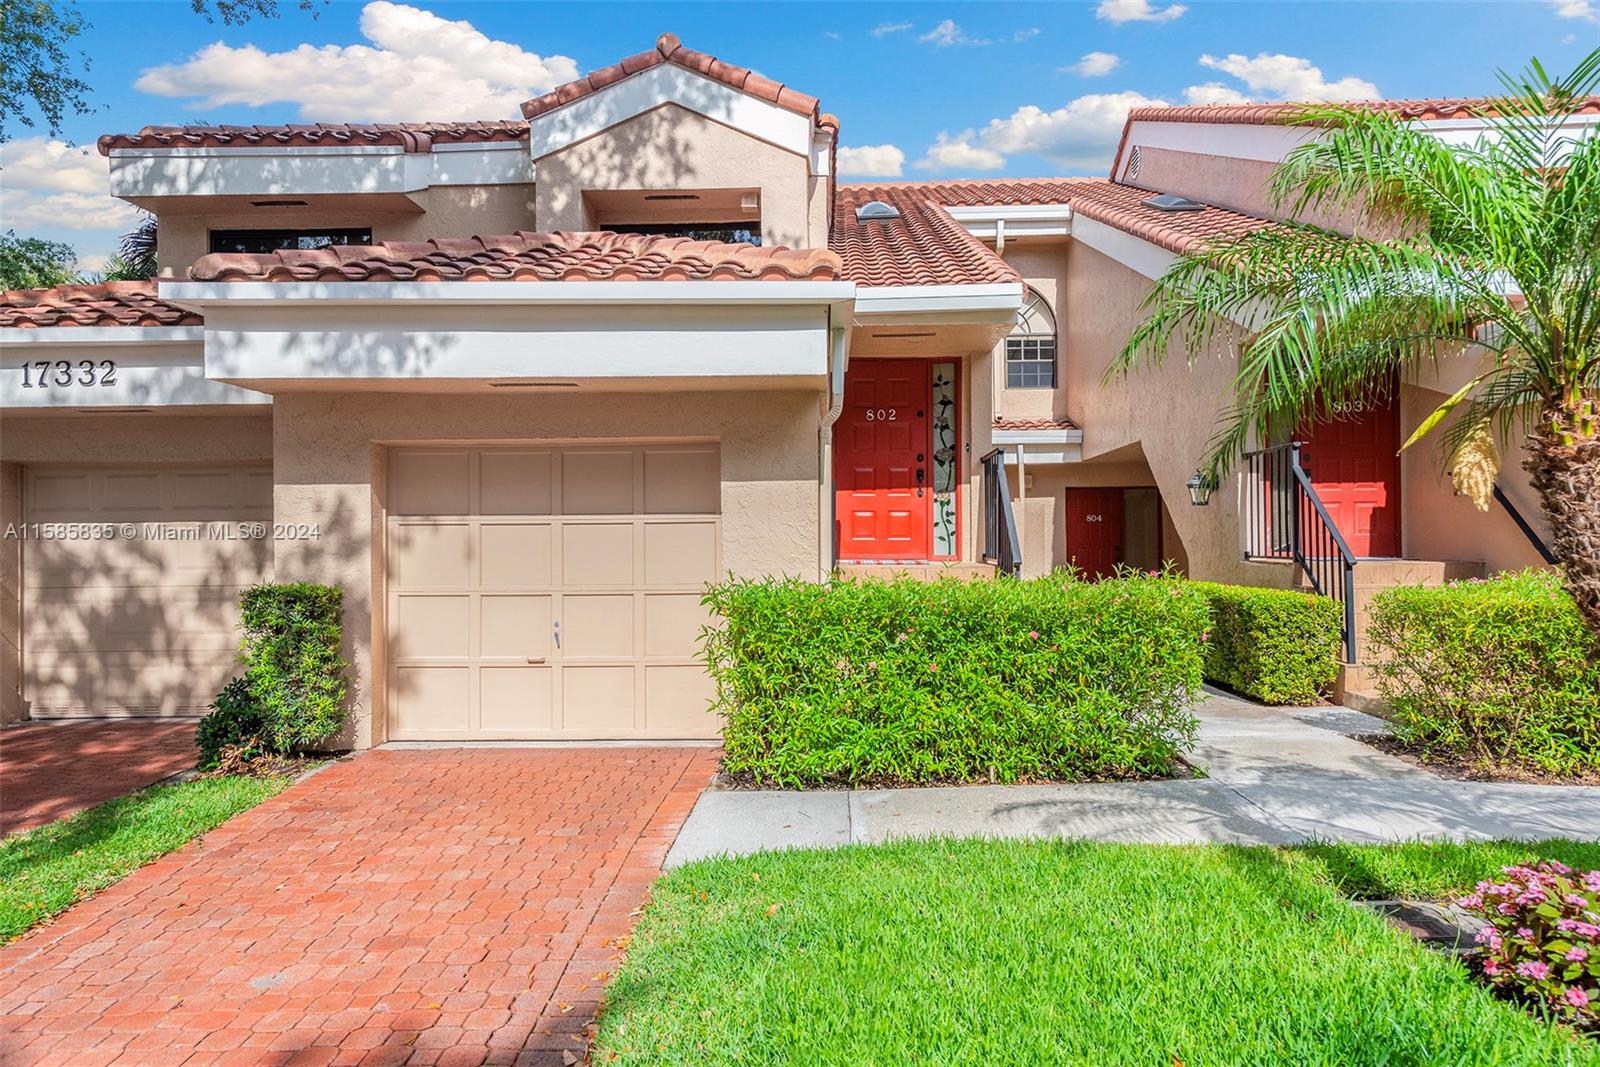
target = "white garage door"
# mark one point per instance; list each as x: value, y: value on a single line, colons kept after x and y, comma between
x: 550, y: 592
x: 131, y: 580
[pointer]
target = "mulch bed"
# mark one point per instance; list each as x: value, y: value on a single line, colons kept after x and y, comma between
x: 1464, y: 770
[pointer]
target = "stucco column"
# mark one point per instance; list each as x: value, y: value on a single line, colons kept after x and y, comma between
x: 11, y: 707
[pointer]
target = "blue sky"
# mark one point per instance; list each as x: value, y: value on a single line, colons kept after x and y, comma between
x: 923, y: 90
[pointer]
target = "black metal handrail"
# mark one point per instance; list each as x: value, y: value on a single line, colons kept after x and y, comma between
x: 1522, y: 524
x: 1285, y: 519
x: 1000, y: 545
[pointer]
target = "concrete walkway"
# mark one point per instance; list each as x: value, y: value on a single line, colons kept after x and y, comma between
x: 1274, y: 776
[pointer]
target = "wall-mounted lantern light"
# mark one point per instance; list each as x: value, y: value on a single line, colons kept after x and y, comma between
x: 1200, y: 486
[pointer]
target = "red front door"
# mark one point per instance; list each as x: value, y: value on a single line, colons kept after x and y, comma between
x: 1353, y: 461
x: 881, y: 465
x: 1094, y: 530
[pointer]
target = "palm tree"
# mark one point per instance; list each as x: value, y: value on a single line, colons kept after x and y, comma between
x: 1491, y: 253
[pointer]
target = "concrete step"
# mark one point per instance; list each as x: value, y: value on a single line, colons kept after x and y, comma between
x: 1356, y: 687
x: 922, y: 572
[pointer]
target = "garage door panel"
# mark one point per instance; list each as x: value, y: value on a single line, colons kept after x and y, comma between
x: 515, y: 483
x: 426, y: 482
x: 515, y: 627
x: 430, y: 556
x: 596, y: 554
x: 430, y: 701
x: 597, y: 627
x: 680, y: 553
x: 517, y: 555
x: 147, y: 623
x: 672, y: 623
x: 598, y: 700
x: 433, y: 627
x: 681, y: 482
x: 677, y: 702
x: 516, y: 701
x: 597, y: 482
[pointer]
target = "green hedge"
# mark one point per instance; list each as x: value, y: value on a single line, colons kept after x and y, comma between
x: 291, y: 650
x: 905, y: 681
x: 1279, y: 646
x: 1500, y: 672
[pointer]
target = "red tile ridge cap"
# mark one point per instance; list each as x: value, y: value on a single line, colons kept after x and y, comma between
x: 122, y: 303
x: 417, y: 137
x: 669, y: 49
x: 1034, y: 424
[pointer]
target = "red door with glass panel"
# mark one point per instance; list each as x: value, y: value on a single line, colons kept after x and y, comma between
x: 1094, y: 530
x: 1353, y: 461
x: 881, y: 465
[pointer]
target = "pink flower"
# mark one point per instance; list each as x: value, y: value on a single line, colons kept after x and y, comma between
x: 1577, y: 954
x: 1491, y: 966
x: 1592, y: 880
x: 1033, y: 634
x: 1471, y: 900
x: 1577, y: 997
x: 1558, y: 867
x: 1523, y: 931
x: 1538, y: 970
x: 933, y: 668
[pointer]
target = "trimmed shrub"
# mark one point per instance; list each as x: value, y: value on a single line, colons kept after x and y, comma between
x: 906, y: 681
x: 1543, y: 937
x: 1499, y: 672
x: 235, y: 720
x: 292, y: 635
x: 1280, y: 646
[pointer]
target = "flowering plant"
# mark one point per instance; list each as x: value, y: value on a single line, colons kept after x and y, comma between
x: 1543, y: 937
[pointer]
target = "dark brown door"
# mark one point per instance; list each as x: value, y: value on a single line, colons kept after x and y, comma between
x: 1094, y: 530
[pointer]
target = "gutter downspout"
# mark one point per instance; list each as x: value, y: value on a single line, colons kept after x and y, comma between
x: 1022, y: 499
x: 838, y: 360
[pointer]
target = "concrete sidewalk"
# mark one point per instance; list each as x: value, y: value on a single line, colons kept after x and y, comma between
x: 1274, y: 776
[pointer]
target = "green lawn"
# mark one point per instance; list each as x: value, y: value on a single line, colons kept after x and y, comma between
x: 1434, y: 870
x: 48, y: 869
x: 986, y: 952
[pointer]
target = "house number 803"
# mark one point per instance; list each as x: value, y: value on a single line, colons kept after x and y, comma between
x: 64, y: 373
x: 880, y: 414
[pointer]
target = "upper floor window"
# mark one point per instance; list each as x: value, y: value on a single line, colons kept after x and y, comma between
x: 741, y: 233
x: 283, y: 240
x: 1031, y: 347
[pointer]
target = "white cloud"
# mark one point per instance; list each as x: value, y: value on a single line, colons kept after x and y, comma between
x: 1576, y: 9
x: 959, y: 153
x: 947, y: 33
x: 1137, y: 11
x: 418, y: 66
x: 1214, y: 93
x: 1079, y: 135
x: 1095, y: 64
x: 1289, y: 78
x: 884, y: 29
x: 871, y: 161
x: 1026, y: 35
x: 1569, y: 38
x: 52, y: 185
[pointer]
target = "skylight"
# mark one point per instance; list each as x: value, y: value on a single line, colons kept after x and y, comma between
x: 1173, y: 202
x: 875, y: 210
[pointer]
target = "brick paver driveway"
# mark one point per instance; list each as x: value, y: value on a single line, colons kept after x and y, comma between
x: 405, y: 906
x: 51, y: 769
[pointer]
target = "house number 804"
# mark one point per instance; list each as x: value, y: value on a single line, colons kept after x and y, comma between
x: 880, y: 414
x: 64, y: 373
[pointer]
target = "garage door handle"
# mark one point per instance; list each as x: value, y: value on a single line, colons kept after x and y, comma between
x: 535, y: 659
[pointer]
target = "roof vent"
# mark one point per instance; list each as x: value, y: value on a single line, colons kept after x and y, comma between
x: 1173, y: 202
x: 1133, y: 164
x: 876, y: 210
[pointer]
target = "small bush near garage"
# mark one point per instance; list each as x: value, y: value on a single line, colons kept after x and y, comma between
x: 291, y: 648
x: 1499, y: 673
x: 1279, y: 646
x: 234, y: 722
x: 881, y: 682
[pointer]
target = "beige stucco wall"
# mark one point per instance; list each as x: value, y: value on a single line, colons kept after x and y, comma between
x: 327, y: 469
x: 439, y: 211
x: 1041, y: 509
x: 672, y: 148
x: 1044, y: 268
x: 11, y: 709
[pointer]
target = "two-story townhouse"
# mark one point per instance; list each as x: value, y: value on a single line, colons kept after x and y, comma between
x: 522, y: 388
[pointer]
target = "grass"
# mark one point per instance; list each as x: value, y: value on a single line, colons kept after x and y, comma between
x: 1433, y: 870
x: 48, y: 869
x: 985, y: 952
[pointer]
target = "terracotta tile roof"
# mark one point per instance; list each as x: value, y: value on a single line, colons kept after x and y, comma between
x: 924, y: 246
x: 105, y: 304
x: 669, y: 49
x: 1263, y: 114
x: 978, y: 192
x: 1035, y: 424
x: 523, y: 256
x: 412, y: 136
x: 1177, y: 231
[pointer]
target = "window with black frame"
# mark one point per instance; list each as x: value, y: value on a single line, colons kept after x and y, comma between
x: 260, y: 241
x: 1031, y: 347
x: 739, y: 233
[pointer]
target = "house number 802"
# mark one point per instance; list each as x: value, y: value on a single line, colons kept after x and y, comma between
x: 880, y: 414
x: 64, y: 373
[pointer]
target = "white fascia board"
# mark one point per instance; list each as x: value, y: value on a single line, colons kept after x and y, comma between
x: 347, y: 169
x: 822, y: 152
x: 990, y: 302
x: 166, y: 375
x: 101, y: 336
x: 1037, y: 437
x: 1019, y: 220
x: 687, y: 293
x: 1039, y: 457
x: 326, y: 344
x: 486, y: 163
x: 1135, y: 253
x: 668, y: 83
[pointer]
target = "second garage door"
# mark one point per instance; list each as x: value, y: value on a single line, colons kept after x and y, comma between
x: 550, y: 592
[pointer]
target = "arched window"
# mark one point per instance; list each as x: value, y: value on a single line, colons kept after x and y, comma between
x: 1031, y: 346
